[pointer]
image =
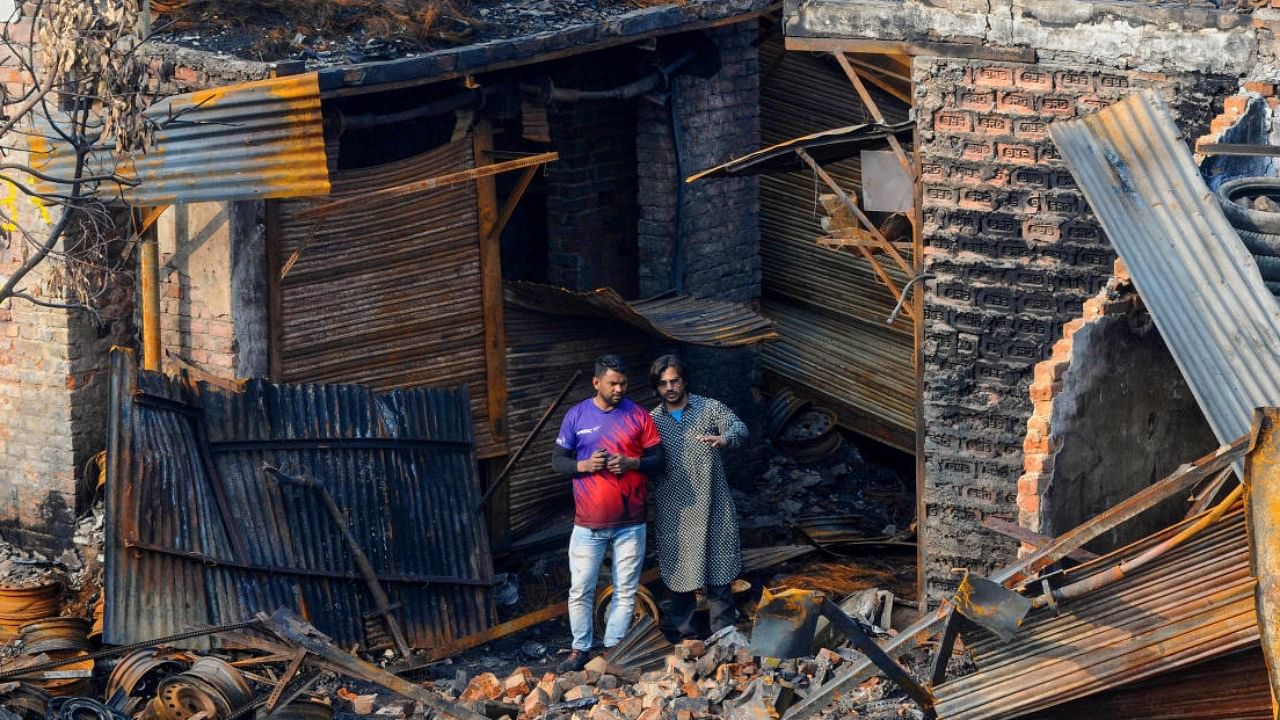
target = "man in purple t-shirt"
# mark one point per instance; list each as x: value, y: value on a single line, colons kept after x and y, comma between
x: 608, y: 444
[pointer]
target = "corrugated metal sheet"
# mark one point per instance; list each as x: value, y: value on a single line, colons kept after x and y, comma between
x: 1189, y: 605
x: 257, y: 140
x: 1200, y: 283
x: 1233, y: 687
x: 387, y: 293
x: 197, y: 536
x: 547, y: 341
x: 682, y: 318
x: 829, y: 306
x: 543, y: 351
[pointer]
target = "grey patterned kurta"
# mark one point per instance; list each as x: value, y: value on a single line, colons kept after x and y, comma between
x: 695, y: 522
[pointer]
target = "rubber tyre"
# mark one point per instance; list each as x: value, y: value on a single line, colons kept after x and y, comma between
x: 1243, y: 218
x: 1258, y: 243
x: 1269, y: 267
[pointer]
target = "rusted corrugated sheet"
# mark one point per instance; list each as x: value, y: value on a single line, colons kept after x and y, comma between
x: 543, y: 351
x: 1203, y: 288
x: 681, y: 318
x: 196, y: 535
x: 1233, y: 687
x: 829, y: 306
x: 387, y: 293
x: 1191, y: 604
x: 257, y: 140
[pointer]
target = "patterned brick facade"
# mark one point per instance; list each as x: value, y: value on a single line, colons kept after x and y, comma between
x: 1016, y: 252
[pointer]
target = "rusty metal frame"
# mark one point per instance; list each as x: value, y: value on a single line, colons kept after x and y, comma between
x: 1262, y: 515
x: 1172, y: 485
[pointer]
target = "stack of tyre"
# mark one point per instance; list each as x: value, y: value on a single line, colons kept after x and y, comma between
x: 1252, y: 206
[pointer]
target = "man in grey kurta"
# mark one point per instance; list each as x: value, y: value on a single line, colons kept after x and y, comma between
x: 695, y: 523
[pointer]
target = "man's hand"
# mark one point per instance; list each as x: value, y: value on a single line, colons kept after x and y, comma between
x: 595, y: 463
x: 714, y: 441
x: 619, y: 464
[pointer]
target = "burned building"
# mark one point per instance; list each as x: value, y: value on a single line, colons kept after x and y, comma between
x: 597, y: 116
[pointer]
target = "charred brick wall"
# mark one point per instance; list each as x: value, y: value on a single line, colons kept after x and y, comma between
x: 719, y: 228
x: 53, y: 392
x: 1015, y: 251
x: 591, y: 189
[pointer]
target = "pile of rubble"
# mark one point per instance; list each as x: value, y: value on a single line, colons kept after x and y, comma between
x: 719, y: 677
x: 868, y: 499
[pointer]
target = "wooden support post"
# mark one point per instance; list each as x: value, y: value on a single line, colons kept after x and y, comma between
x: 874, y: 110
x: 495, y: 336
x: 871, y: 73
x: 857, y: 212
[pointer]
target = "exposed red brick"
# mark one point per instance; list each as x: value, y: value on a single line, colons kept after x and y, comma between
x: 1041, y: 229
x: 1112, y: 83
x: 1030, y: 129
x: 1235, y: 105
x: 1044, y: 390
x: 993, y: 125
x: 1262, y: 88
x: 1073, y: 81
x: 976, y: 100
x: 1058, y: 105
x: 977, y: 150
x: 1034, y: 80
x: 993, y: 76
x: 1087, y: 104
x: 1016, y: 153
x: 1029, y: 503
x: 1221, y: 123
x: 183, y: 73
x: 977, y: 199
x: 932, y: 171
x: 1033, y: 483
x: 1016, y: 102
x: 1121, y: 271
x: 953, y: 121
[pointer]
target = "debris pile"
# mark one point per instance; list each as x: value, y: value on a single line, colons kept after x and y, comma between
x: 718, y: 677
x: 846, y: 500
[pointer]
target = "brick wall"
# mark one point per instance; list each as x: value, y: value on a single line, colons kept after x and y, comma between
x: 1016, y: 252
x: 591, y: 189
x: 719, y: 225
x: 53, y: 389
x: 196, y: 327
x: 1111, y: 414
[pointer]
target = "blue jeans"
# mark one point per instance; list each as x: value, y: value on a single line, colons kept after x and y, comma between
x: 586, y: 551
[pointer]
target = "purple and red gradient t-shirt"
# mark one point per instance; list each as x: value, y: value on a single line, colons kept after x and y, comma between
x: 603, y: 499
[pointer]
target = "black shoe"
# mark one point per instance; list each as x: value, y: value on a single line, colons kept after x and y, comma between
x: 576, y: 661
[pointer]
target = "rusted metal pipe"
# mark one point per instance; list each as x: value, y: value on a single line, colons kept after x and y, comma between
x: 149, y: 257
x: 1119, y: 570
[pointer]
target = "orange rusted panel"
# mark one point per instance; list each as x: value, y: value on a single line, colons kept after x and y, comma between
x: 1262, y: 484
x: 255, y: 140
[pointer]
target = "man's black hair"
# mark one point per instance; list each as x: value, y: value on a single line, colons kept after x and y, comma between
x: 605, y: 363
x: 667, y: 361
